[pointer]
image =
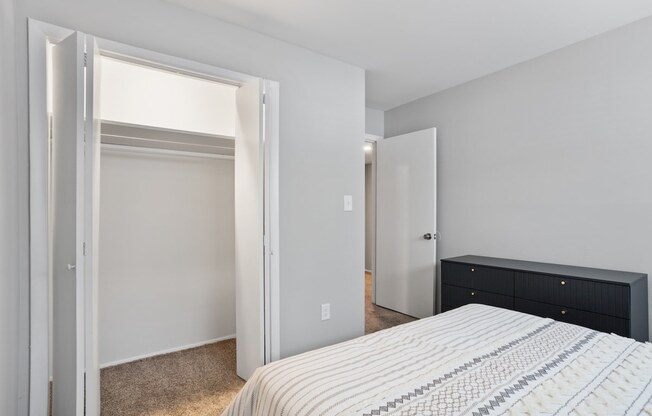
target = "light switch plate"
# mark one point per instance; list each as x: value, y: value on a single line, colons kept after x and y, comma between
x: 348, y: 203
x: 325, y: 311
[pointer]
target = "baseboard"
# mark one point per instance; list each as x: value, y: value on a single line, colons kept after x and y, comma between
x: 168, y: 351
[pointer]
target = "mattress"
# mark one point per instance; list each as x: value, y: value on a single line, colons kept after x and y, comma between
x: 474, y: 360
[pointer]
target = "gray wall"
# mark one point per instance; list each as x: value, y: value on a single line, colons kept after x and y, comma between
x: 9, y: 226
x: 166, y: 253
x: 370, y: 221
x: 548, y: 160
x: 374, y: 122
x: 322, y: 116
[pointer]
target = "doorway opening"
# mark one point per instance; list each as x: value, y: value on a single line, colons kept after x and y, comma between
x: 376, y: 317
x: 152, y: 245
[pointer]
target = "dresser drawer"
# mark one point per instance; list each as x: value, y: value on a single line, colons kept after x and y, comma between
x: 591, y: 320
x: 446, y: 308
x: 454, y: 296
x: 486, y: 279
x: 586, y: 295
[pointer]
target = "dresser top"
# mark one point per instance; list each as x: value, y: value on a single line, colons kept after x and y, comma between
x: 553, y: 269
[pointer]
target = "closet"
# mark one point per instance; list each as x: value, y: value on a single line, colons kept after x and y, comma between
x: 144, y: 167
x: 167, y: 219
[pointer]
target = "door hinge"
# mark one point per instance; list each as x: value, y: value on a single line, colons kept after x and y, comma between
x: 85, y: 59
x: 264, y: 95
x: 84, y: 248
x: 267, y: 245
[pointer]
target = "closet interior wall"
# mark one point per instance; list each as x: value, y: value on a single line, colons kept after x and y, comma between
x: 167, y: 220
x: 167, y: 250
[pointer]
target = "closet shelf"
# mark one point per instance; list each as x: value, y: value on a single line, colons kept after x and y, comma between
x: 123, y: 134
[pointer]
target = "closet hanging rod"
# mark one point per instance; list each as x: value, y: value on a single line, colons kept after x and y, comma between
x: 110, y: 139
x: 150, y: 132
x: 149, y: 150
x: 167, y: 145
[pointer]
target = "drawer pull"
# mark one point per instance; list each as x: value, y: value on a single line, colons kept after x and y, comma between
x: 563, y: 282
x: 563, y: 312
x: 472, y: 293
x: 472, y: 269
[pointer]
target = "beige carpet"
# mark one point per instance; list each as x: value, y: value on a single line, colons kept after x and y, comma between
x: 376, y: 317
x: 200, y: 381
x: 196, y: 382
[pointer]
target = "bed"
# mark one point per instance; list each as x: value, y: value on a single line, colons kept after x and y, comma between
x: 474, y: 360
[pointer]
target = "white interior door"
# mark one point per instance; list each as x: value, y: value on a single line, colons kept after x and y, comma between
x: 249, y: 211
x: 406, y: 223
x: 68, y: 226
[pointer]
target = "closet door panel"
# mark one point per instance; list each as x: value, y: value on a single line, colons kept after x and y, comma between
x: 68, y: 227
x: 249, y: 213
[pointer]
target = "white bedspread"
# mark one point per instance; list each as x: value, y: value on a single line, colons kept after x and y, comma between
x: 474, y: 360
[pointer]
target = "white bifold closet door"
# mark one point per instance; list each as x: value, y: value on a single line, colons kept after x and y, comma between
x: 249, y: 214
x: 74, y: 150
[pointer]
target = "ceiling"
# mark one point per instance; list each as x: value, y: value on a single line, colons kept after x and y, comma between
x: 413, y: 48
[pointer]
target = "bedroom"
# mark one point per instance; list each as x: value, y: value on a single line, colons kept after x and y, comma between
x: 544, y: 160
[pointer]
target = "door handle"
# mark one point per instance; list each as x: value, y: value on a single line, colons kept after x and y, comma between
x: 427, y: 236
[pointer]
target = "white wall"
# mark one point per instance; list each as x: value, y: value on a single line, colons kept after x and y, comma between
x: 9, y: 220
x: 167, y: 253
x: 374, y: 122
x: 548, y: 160
x: 322, y: 116
x: 151, y: 97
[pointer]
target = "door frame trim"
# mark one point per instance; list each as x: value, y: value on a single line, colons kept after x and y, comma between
x: 39, y: 34
x: 372, y: 139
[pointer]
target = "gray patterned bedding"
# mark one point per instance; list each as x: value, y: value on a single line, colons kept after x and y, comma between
x: 474, y: 360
